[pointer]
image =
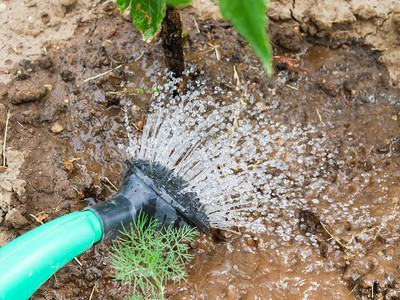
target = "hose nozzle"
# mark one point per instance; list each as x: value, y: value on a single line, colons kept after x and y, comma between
x: 155, y: 190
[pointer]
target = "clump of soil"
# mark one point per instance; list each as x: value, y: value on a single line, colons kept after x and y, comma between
x: 375, y: 24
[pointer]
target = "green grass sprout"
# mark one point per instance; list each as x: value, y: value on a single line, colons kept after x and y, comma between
x: 146, y: 258
x: 154, y: 90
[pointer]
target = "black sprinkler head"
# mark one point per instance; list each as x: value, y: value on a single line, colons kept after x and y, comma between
x: 153, y: 189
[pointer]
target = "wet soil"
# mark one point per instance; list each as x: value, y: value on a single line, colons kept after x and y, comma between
x: 68, y: 125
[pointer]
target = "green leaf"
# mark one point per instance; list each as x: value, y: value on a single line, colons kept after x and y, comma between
x: 179, y: 2
x: 147, y: 15
x: 123, y: 4
x: 250, y: 19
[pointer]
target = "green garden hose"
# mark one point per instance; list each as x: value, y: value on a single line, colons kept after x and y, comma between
x: 28, y: 261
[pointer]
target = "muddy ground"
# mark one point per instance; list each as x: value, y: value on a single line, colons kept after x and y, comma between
x: 64, y: 130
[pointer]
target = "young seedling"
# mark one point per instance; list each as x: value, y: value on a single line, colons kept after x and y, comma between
x: 249, y: 17
x: 146, y: 257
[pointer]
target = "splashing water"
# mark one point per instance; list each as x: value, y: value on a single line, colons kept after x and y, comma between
x: 235, y: 157
x: 269, y: 168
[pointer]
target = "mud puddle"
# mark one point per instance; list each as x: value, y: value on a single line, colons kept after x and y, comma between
x: 342, y: 244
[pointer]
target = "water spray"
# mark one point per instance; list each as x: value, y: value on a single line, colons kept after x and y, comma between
x: 28, y: 261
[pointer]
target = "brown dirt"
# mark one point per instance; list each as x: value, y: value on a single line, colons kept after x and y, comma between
x: 63, y: 137
x: 373, y: 23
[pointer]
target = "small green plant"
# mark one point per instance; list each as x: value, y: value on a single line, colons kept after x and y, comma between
x: 249, y: 17
x: 154, y: 90
x: 146, y: 258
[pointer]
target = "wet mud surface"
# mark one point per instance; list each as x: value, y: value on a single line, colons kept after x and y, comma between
x: 68, y: 125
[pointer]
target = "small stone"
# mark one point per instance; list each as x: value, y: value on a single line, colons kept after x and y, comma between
x: 113, y: 31
x: 16, y: 219
x: 288, y: 38
x: 3, y: 7
x: 57, y: 128
x: 6, y: 185
x: 139, y: 124
x: 67, y: 75
x: 44, y: 62
x: 312, y: 30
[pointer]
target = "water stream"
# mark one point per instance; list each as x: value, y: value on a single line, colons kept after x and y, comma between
x: 247, y: 168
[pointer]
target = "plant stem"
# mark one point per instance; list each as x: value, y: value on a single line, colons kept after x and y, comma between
x: 161, y: 291
x: 159, y: 285
x: 172, y: 41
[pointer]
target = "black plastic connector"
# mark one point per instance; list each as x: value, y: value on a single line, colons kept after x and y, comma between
x: 153, y: 189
